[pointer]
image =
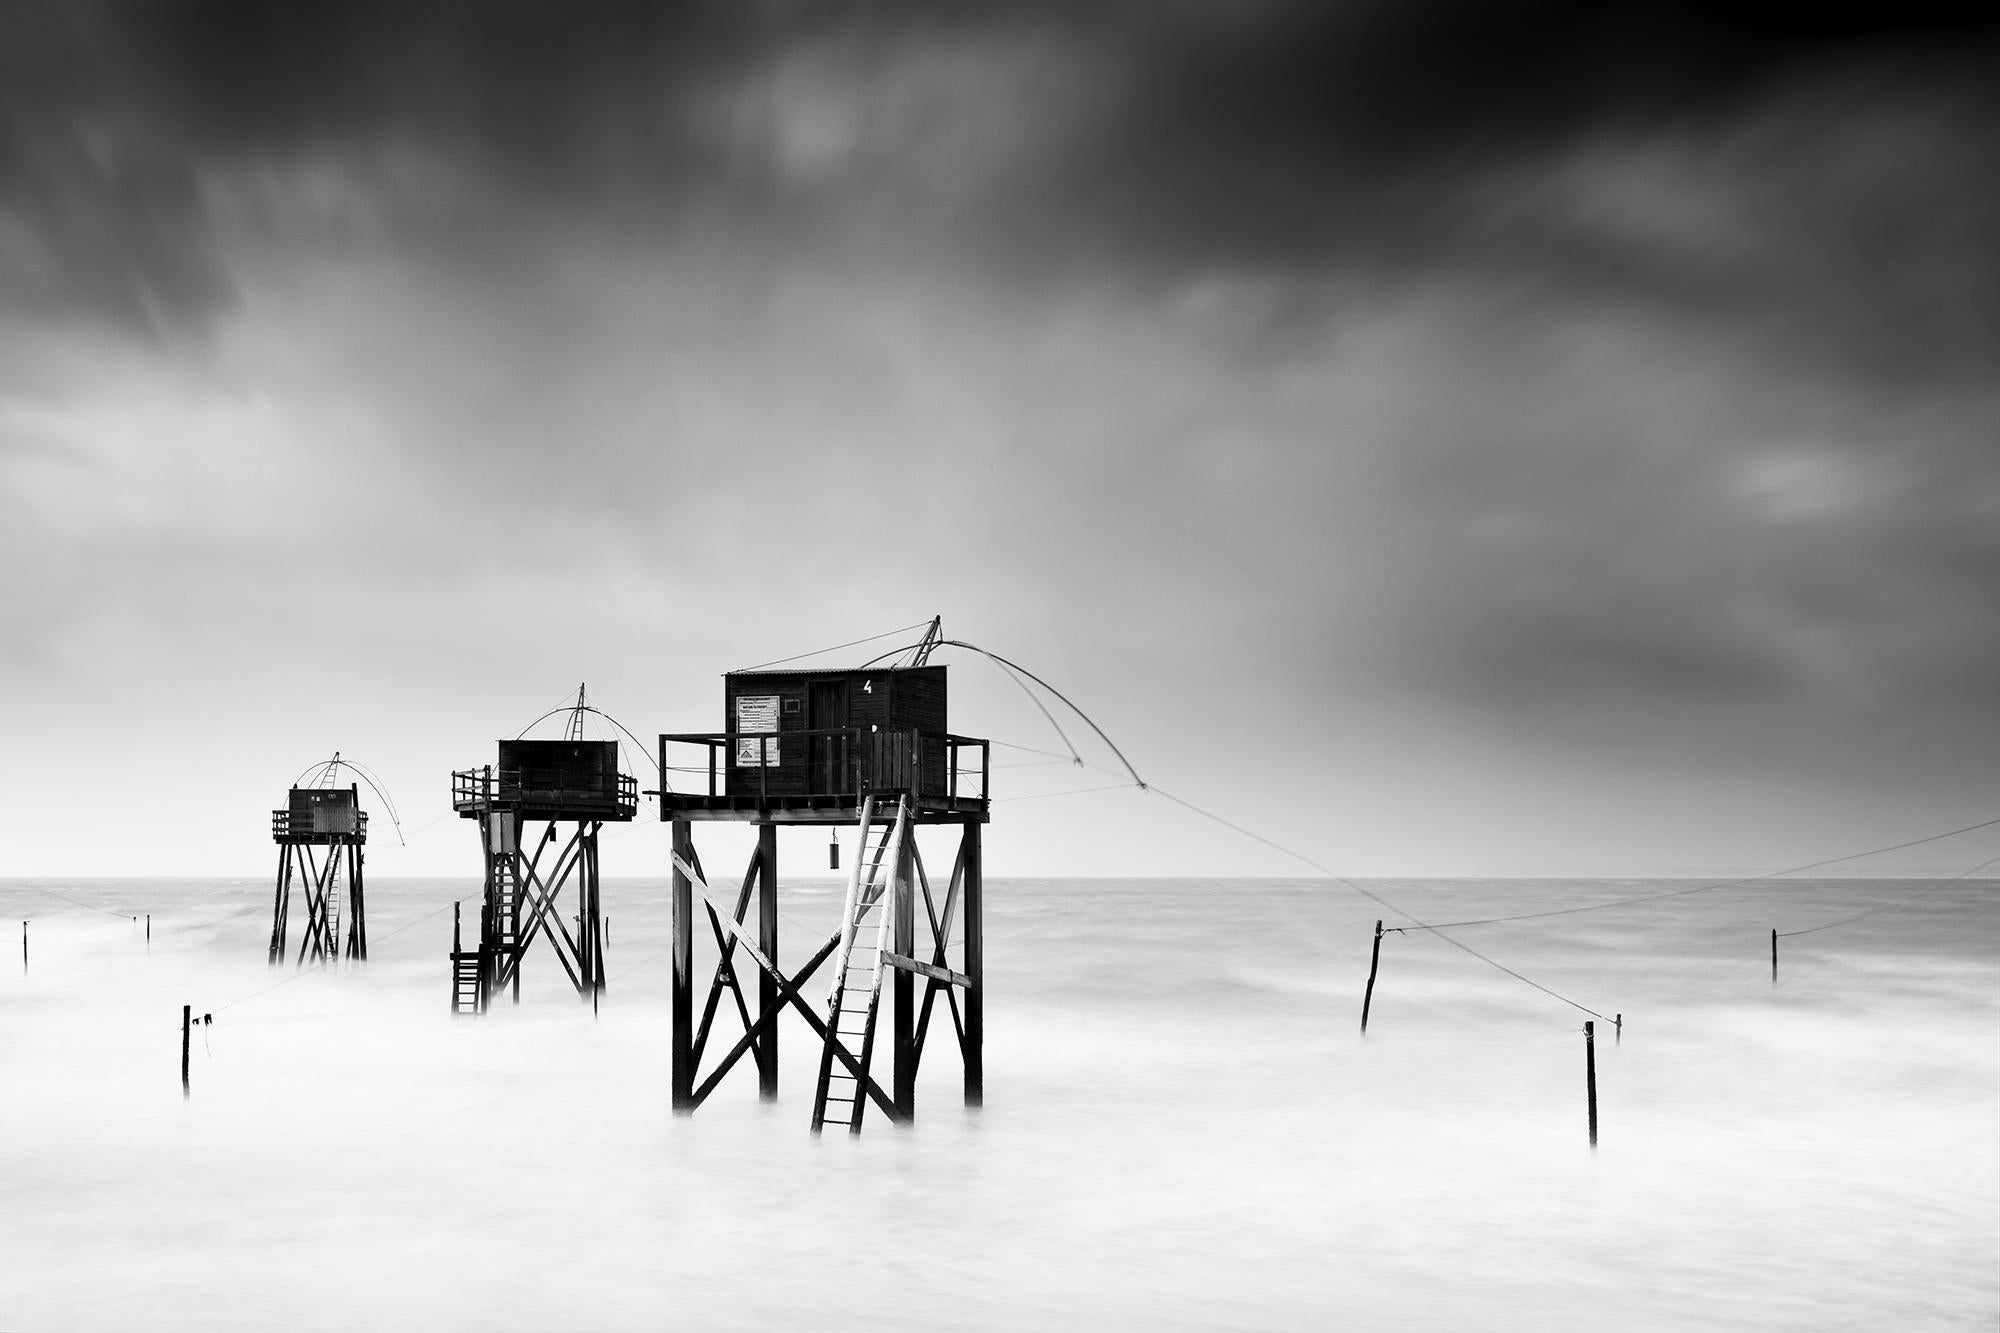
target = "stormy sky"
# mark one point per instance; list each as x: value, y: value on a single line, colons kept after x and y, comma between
x: 1497, y: 438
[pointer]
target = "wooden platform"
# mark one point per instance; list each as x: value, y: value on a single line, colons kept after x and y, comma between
x: 550, y: 805
x: 822, y: 776
x: 288, y: 832
x: 822, y: 808
x: 476, y: 790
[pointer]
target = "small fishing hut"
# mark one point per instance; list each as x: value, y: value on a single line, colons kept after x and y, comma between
x: 320, y: 835
x: 868, y: 749
x: 522, y: 803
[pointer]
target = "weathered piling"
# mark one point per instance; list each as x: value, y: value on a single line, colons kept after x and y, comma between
x: 1618, y: 1029
x: 1590, y: 1077
x: 1774, y: 955
x: 1374, y: 961
x: 187, y: 1026
x: 24, y: 948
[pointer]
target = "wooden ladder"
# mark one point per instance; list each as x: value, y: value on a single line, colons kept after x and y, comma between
x: 506, y: 920
x: 465, y: 982
x: 333, y: 904
x: 856, y: 995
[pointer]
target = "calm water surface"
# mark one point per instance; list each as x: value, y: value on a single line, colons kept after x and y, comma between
x: 1183, y: 1128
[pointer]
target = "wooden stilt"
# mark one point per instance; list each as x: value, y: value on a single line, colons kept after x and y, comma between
x: 599, y: 933
x: 1774, y: 955
x: 278, y: 907
x: 1590, y: 1076
x: 767, y: 940
x: 682, y: 1041
x: 24, y: 948
x: 590, y: 935
x: 1618, y: 1029
x: 903, y: 939
x: 1374, y: 961
x: 972, y: 1043
x: 187, y: 1024
x: 357, y: 929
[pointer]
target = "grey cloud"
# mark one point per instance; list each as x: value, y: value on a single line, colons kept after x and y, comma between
x: 1151, y: 139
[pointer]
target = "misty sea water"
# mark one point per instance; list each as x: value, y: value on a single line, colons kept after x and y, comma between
x: 1183, y: 1130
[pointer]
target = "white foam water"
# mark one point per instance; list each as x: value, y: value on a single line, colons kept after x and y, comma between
x: 1183, y: 1127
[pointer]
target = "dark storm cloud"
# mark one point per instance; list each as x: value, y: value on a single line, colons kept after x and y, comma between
x: 117, y: 120
x: 1287, y: 135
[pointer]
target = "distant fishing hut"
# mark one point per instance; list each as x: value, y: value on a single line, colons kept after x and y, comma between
x: 320, y: 834
x: 538, y: 784
x: 869, y: 749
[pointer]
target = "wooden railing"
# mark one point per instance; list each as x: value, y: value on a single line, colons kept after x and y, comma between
x: 841, y: 761
x: 579, y: 789
x: 281, y: 823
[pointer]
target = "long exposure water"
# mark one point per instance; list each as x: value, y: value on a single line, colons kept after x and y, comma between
x: 1184, y: 1128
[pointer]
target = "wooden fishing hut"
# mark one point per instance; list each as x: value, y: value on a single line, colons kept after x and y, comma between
x: 320, y: 834
x: 538, y: 784
x: 865, y: 748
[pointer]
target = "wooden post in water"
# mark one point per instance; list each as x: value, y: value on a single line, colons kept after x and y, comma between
x: 1374, y: 961
x: 682, y: 1042
x: 24, y: 948
x: 1590, y: 1077
x: 972, y: 1046
x: 187, y: 1022
x: 149, y: 928
x: 767, y: 940
x: 1774, y: 955
x: 902, y: 906
x: 1618, y: 1029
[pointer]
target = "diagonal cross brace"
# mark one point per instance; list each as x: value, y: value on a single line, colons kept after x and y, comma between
x: 940, y: 934
x: 318, y: 884
x: 725, y: 975
x: 541, y: 898
x: 788, y: 993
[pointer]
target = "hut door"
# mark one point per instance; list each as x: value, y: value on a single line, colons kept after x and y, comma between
x: 826, y: 708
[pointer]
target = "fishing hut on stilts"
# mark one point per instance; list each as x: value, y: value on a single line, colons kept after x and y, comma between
x: 320, y: 835
x: 865, y: 749
x: 522, y: 803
